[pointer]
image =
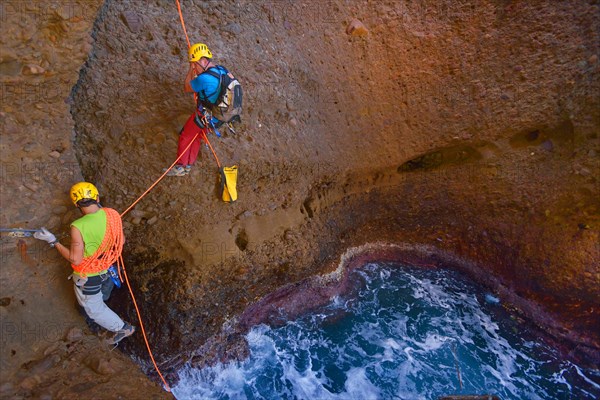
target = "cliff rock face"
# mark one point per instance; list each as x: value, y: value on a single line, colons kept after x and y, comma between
x: 469, y: 128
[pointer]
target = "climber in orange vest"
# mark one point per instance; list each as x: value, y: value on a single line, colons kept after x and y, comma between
x: 96, y: 245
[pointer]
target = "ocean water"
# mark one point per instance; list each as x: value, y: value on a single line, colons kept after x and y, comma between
x: 404, y: 333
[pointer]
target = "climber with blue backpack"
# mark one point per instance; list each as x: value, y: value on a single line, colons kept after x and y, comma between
x: 219, y: 101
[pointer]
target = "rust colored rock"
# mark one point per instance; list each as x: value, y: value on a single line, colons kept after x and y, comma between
x: 105, y: 368
x: 101, y: 366
x: 43, y: 365
x: 75, y: 335
x: 32, y: 69
x: 356, y: 28
x: 451, y: 94
x: 30, y: 382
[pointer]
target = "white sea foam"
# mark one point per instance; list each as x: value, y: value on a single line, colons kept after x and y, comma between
x: 358, y: 386
x: 376, y: 350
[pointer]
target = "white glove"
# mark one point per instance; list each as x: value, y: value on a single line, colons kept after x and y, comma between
x: 45, y: 235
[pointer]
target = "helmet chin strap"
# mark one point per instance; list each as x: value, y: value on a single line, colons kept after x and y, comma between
x: 204, y: 68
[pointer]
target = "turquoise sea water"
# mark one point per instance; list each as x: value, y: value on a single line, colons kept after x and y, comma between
x: 405, y: 333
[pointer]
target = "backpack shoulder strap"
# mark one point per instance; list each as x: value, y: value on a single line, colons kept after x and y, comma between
x: 219, y: 77
x: 212, y: 73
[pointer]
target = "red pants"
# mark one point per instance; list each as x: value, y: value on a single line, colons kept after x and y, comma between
x: 185, y: 137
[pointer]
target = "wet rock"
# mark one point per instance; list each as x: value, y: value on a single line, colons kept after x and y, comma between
x: 356, y: 28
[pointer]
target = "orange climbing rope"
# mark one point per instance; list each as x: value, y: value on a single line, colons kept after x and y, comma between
x: 122, y: 266
x: 202, y: 116
x: 211, y: 148
x: 121, y: 261
x: 109, y: 250
x: 183, y: 24
x: 160, y: 178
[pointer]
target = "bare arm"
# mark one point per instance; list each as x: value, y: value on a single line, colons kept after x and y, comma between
x: 75, y: 254
x: 187, y: 87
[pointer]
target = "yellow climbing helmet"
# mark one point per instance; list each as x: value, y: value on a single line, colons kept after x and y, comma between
x: 83, y: 190
x: 198, y: 51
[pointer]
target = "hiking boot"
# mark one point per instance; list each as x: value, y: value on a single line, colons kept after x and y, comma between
x: 125, y: 331
x: 178, y: 170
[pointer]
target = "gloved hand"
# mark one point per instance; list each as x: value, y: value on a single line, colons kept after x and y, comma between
x: 45, y: 235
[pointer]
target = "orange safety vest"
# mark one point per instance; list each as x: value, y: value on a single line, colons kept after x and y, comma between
x: 109, y: 250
